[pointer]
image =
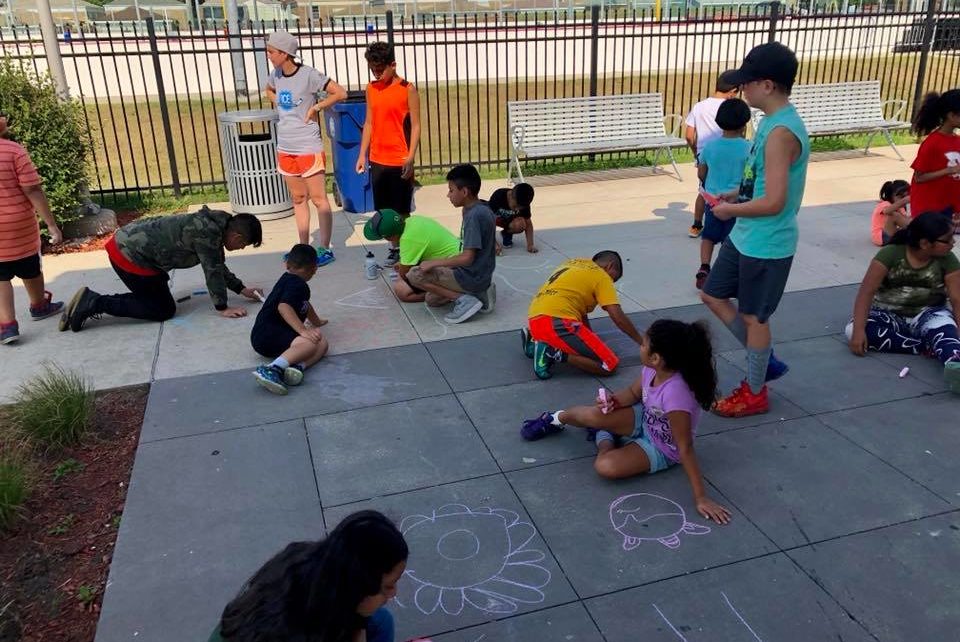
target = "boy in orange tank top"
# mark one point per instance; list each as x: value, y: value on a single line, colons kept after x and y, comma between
x: 391, y: 135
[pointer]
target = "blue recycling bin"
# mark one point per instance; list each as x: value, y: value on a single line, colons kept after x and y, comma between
x: 352, y: 191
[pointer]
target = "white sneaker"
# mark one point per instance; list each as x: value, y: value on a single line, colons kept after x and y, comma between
x: 463, y: 308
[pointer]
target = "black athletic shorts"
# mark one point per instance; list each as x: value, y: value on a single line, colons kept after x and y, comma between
x: 756, y: 284
x: 26, y: 268
x: 390, y: 190
x: 271, y: 341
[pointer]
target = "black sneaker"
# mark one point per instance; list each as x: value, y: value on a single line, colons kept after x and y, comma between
x: 507, y: 238
x: 81, y: 308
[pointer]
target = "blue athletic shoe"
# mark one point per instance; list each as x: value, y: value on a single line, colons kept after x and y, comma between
x: 325, y: 256
x: 9, y: 333
x: 775, y: 368
x: 271, y: 378
x: 534, y: 429
x: 527, y: 342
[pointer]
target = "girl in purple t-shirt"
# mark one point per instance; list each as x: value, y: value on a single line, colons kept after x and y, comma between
x: 649, y: 426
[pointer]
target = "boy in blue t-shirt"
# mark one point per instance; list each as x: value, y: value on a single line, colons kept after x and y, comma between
x: 754, y: 263
x: 720, y: 170
x: 280, y: 332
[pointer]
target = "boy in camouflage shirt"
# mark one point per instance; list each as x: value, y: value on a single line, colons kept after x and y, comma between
x: 143, y: 252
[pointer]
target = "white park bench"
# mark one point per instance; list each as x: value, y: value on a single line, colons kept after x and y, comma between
x: 573, y: 126
x: 847, y: 108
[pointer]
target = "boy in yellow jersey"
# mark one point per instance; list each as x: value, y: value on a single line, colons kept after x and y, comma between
x: 559, y: 329
x: 391, y: 135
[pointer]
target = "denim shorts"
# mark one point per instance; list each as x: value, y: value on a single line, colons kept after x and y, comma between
x: 714, y: 229
x: 658, y: 461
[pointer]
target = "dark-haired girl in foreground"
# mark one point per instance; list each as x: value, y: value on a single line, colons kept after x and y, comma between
x: 649, y: 426
x: 333, y: 590
x: 902, y: 303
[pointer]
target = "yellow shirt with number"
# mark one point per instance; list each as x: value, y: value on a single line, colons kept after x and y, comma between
x: 573, y: 291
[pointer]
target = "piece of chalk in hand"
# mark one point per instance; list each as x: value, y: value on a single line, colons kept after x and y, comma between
x: 183, y: 298
x: 259, y: 296
x: 904, y: 372
x: 602, y: 393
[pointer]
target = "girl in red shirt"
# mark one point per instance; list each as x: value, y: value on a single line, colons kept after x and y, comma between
x: 936, y: 170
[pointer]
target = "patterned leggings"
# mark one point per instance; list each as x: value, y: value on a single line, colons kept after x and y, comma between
x: 933, y: 332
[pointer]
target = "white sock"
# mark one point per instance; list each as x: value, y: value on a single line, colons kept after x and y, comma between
x: 281, y: 363
x: 556, y: 418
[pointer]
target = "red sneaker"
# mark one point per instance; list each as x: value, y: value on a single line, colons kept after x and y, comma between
x: 742, y: 402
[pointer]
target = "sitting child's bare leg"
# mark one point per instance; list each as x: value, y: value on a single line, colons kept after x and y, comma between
x: 304, y: 351
x: 619, y: 422
x: 620, y: 463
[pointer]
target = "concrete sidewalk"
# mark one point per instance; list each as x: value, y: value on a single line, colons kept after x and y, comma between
x: 645, y: 219
x: 845, y: 496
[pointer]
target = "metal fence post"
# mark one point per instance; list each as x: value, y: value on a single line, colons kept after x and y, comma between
x: 928, y: 31
x: 774, y: 19
x: 594, y: 46
x: 390, y: 27
x: 164, y: 112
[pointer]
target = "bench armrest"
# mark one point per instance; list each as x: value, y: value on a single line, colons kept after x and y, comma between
x: 677, y: 124
x: 901, y: 106
x: 516, y: 136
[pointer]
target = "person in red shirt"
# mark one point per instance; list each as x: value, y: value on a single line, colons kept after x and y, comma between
x: 391, y: 135
x: 936, y: 170
x: 21, y: 199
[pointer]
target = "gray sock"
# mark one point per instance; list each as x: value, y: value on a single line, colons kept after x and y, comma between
x: 739, y: 330
x: 757, y: 361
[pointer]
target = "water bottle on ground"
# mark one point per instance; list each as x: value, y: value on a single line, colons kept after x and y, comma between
x: 371, y: 267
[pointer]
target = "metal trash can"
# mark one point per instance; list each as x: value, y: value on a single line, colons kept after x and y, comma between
x: 249, y: 140
x: 351, y: 191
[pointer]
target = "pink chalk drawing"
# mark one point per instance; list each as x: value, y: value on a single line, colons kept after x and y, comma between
x: 462, y: 557
x: 646, y: 517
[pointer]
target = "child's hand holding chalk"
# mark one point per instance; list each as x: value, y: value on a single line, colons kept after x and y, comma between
x: 259, y: 295
x: 605, y: 400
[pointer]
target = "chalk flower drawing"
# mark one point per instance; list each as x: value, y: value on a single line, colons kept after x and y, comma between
x: 471, y: 557
x: 645, y: 517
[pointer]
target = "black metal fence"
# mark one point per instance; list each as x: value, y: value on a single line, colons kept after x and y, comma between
x: 152, y: 95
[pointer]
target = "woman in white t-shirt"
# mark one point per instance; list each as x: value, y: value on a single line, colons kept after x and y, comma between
x: 293, y: 87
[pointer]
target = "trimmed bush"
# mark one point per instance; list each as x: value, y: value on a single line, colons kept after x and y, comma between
x: 53, y: 409
x: 54, y: 131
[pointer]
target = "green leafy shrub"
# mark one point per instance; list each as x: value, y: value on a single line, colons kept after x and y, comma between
x: 54, y: 131
x: 53, y: 409
x: 15, y: 483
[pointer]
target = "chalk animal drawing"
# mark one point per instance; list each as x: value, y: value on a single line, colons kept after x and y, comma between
x: 646, y: 517
x: 462, y: 557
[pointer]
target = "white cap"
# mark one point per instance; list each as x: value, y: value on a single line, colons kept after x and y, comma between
x: 283, y: 41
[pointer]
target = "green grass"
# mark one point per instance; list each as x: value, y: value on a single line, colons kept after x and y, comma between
x: 15, y: 483
x: 53, y: 409
x: 67, y: 467
x: 130, y: 148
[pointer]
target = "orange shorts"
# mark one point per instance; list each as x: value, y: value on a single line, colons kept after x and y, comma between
x: 303, y: 165
x: 573, y: 337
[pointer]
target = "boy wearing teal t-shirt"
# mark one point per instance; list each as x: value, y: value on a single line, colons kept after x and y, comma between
x: 753, y: 266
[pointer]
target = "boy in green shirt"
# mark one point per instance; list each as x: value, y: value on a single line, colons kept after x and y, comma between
x: 419, y: 239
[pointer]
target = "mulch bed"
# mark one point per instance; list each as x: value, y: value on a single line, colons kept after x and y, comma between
x: 55, y: 558
x: 88, y: 243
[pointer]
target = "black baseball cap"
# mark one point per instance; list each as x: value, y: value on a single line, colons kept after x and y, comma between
x: 771, y: 61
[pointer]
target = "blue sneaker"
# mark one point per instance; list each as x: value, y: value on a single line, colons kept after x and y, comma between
x: 534, y: 429
x: 271, y: 378
x: 775, y: 368
x: 293, y: 375
x: 325, y: 256
x: 47, y: 309
x: 527, y: 342
x: 544, y: 357
x: 9, y: 332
